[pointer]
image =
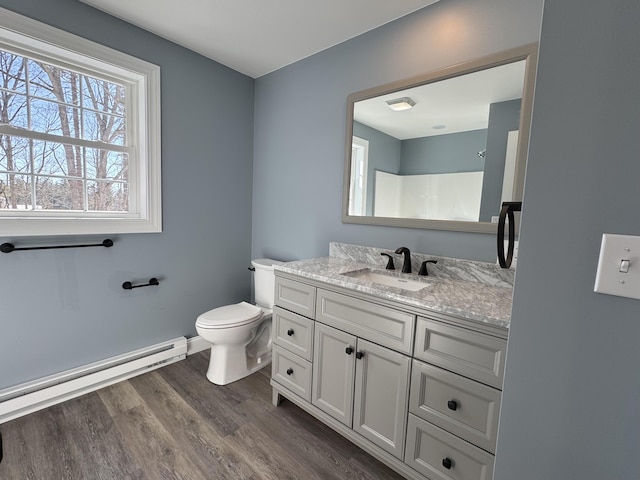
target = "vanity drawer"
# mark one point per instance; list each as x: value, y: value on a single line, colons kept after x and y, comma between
x: 471, y: 354
x: 291, y: 372
x: 430, y: 450
x: 461, y: 406
x: 376, y: 323
x: 295, y: 296
x: 293, y: 332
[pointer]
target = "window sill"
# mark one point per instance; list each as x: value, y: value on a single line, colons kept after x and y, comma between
x: 77, y: 226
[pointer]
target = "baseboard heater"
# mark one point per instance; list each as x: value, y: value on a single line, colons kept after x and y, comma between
x: 42, y: 393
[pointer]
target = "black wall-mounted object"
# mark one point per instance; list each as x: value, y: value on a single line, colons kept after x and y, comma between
x: 10, y: 247
x: 130, y: 286
x: 507, y: 212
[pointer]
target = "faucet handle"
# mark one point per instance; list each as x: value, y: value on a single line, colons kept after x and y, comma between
x: 390, y: 265
x: 423, y: 267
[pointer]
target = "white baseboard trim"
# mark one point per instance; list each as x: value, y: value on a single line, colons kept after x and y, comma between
x: 32, y: 396
x: 196, y: 344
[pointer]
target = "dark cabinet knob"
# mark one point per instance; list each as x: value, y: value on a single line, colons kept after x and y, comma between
x: 452, y: 404
x: 447, y: 463
x: 289, y: 371
x: 349, y: 350
x: 359, y: 355
x: 290, y: 332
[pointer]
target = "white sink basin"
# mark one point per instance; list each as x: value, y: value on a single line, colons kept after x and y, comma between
x: 388, y: 279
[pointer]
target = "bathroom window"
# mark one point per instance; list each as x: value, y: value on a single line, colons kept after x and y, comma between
x: 79, y: 135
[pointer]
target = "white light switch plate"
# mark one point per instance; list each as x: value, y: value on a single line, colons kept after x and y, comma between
x: 609, y: 278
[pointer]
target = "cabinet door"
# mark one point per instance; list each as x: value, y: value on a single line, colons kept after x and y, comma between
x: 380, y: 403
x: 333, y: 372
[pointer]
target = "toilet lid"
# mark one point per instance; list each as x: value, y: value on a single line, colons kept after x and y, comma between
x: 230, y: 316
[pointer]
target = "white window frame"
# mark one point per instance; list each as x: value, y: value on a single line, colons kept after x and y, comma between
x: 142, y: 83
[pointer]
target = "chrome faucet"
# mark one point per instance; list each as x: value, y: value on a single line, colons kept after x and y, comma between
x: 406, y: 266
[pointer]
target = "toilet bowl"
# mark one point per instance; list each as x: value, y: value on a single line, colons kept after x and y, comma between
x: 240, y: 334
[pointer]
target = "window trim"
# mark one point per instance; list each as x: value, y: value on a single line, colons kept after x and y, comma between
x: 49, y: 43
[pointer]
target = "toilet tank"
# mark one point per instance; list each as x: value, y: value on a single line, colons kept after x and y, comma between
x: 264, y: 281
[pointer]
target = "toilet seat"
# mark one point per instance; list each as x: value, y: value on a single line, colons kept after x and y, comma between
x: 234, y: 315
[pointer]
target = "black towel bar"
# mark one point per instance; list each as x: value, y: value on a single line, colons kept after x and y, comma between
x: 152, y: 282
x: 9, y: 247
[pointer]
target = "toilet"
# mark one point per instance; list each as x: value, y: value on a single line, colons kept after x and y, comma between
x: 240, y: 334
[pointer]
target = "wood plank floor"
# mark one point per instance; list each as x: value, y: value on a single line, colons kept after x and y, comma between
x: 173, y: 424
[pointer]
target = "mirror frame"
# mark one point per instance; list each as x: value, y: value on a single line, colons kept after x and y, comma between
x: 527, y: 52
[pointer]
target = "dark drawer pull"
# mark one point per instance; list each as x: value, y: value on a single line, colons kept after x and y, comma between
x: 130, y: 286
x: 290, y: 332
x: 289, y: 371
x: 452, y: 404
x: 349, y: 350
x: 359, y: 355
x: 447, y: 463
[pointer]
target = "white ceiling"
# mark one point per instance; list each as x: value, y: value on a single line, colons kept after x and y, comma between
x: 256, y: 37
x: 457, y: 104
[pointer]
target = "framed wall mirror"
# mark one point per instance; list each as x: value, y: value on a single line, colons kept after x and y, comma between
x: 443, y: 150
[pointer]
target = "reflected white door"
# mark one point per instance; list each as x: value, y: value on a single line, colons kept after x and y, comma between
x: 358, y: 180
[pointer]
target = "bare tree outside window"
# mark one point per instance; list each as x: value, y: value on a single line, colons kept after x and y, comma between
x: 61, y: 152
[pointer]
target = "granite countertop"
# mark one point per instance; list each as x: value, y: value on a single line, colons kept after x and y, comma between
x: 469, y: 300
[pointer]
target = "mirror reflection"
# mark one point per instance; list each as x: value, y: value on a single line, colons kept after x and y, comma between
x: 445, y: 149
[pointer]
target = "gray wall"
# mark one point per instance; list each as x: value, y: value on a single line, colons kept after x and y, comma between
x: 503, y: 118
x: 300, y: 115
x: 572, y: 392
x: 453, y: 152
x: 65, y: 308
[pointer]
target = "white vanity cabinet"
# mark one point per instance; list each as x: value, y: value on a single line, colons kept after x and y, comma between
x: 420, y: 392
